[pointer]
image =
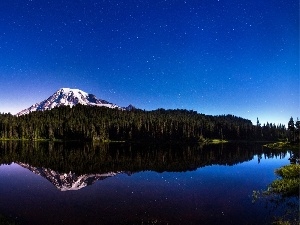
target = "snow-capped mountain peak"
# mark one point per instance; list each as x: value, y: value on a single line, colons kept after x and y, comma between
x: 68, y: 97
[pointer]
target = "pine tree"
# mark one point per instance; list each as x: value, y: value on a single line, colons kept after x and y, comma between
x: 297, y: 131
x: 291, y: 128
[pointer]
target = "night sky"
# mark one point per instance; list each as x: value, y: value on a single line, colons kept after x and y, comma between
x: 217, y: 57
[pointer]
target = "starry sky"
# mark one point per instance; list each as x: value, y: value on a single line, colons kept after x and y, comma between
x: 216, y: 57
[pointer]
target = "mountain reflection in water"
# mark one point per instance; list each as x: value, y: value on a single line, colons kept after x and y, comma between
x: 67, y: 181
x: 167, y: 184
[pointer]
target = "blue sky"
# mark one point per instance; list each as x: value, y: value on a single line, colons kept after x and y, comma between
x: 212, y: 56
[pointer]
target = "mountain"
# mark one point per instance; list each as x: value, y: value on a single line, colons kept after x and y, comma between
x: 70, y: 97
x: 67, y: 181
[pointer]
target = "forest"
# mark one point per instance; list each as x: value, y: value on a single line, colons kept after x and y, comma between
x: 103, y: 124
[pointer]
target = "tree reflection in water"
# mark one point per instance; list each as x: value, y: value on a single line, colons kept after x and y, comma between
x: 208, y: 195
x: 87, y: 158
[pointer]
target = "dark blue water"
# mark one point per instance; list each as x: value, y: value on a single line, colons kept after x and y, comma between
x: 214, y: 193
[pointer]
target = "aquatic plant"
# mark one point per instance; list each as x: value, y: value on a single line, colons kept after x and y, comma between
x: 289, y: 183
x: 283, y: 193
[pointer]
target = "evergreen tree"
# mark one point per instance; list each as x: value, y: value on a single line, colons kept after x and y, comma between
x: 291, y: 128
x: 297, y: 130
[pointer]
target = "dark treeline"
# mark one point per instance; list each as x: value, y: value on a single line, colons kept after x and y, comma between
x: 103, y: 124
x: 88, y: 158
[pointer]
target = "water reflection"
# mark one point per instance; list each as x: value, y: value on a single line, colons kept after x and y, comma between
x: 72, y: 166
x: 167, y: 184
x: 67, y: 181
x: 86, y: 158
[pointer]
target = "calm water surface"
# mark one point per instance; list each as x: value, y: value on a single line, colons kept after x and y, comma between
x: 77, y: 183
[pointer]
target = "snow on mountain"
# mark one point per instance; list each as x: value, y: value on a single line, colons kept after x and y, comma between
x: 67, y: 181
x: 70, y: 97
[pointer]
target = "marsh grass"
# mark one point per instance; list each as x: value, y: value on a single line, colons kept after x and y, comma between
x: 283, y: 145
x: 289, y: 182
x: 283, y: 193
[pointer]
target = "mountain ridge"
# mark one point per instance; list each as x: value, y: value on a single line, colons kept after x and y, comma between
x: 70, y: 97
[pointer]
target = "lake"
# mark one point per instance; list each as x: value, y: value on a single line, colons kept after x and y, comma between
x: 118, y: 183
